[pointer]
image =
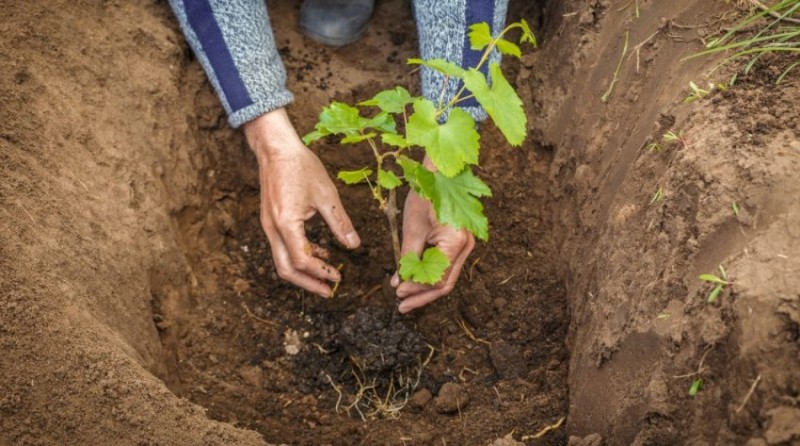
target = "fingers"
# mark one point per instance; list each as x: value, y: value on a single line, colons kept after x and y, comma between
x: 339, y: 223
x: 301, y: 253
x: 298, y: 261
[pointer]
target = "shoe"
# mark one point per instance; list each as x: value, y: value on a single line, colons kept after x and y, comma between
x: 335, y: 22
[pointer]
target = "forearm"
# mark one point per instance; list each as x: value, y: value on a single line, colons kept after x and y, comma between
x: 233, y: 41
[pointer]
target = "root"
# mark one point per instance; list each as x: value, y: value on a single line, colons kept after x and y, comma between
x: 370, y: 403
x: 544, y: 430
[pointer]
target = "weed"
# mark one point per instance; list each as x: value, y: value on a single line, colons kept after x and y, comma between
x: 779, y: 34
x: 697, y: 384
x: 698, y: 93
x: 735, y: 208
x: 658, y: 196
x: 718, y: 281
x: 448, y: 137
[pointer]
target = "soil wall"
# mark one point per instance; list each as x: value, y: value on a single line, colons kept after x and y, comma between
x: 97, y: 160
x: 640, y: 329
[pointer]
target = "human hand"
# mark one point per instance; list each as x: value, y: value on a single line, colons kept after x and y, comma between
x: 421, y: 228
x: 294, y: 187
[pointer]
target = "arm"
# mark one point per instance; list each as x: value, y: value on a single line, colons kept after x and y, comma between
x: 233, y: 41
x: 443, y: 26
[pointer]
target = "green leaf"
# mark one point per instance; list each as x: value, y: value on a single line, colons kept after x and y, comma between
x: 712, y: 278
x: 440, y: 65
x: 455, y: 200
x: 392, y: 101
x: 527, y: 35
x: 714, y: 294
x: 509, y: 48
x: 695, y: 387
x: 354, y: 176
x: 451, y: 145
x: 393, y: 139
x: 500, y: 101
x: 388, y: 180
x: 352, y: 139
x: 428, y: 270
x: 418, y: 177
x: 313, y: 136
x: 383, y: 122
x: 337, y: 118
x: 480, y: 36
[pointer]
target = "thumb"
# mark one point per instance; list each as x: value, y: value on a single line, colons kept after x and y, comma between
x: 340, y: 223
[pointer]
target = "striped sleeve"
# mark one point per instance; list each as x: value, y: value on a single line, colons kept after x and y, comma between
x: 234, y: 43
x: 443, y: 26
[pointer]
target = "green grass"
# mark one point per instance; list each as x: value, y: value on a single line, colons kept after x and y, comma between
x: 778, y: 32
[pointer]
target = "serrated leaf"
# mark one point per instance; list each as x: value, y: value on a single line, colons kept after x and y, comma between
x: 500, y: 101
x: 711, y: 278
x: 527, y: 34
x: 337, y: 118
x: 393, y: 139
x: 714, y: 294
x: 383, y: 122
x: 695, y: 387
x: 427, y: 270
x: 443, y: 66
x: 418, y: 177
x: 354, y: 176
x: 451, y: 145
x: 509, y: 48
x: 388, y: 180
x: 312, y: 136
x: 480, y: 36
x: 392, y: 101
x: 353, y: 139
x: 455, y: 200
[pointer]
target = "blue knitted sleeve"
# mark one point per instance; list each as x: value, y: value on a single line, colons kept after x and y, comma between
x: 443, y: 26
x: 234, y: 42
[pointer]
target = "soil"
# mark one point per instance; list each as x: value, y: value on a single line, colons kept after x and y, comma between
x: 139, y: 303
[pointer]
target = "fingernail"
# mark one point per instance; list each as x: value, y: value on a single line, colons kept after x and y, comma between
x: 403, y: 308
x: 353, y: 240
x: 395, y: 281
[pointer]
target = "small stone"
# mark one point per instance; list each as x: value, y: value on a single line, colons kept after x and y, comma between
x: 452, y: 398
x: 291, y: 342
x: 420, y: 399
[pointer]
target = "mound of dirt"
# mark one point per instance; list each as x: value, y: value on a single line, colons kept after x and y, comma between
x: 139, y: 302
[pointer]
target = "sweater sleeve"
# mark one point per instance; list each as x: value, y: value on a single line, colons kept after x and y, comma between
x: 443, y: 26
x: 234, y: 43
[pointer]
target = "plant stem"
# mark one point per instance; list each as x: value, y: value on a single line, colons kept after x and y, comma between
x: 391, y: 212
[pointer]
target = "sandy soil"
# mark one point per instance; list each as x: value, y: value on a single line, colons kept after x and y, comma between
x: 139, y: 304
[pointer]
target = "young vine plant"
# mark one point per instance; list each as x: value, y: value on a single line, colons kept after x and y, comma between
x: 444, y: 132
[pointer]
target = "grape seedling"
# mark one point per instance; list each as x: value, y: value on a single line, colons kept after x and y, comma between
x: 445, y: 133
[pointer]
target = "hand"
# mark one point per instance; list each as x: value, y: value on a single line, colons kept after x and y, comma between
x: 421, y: 228
x: 294, y: 187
